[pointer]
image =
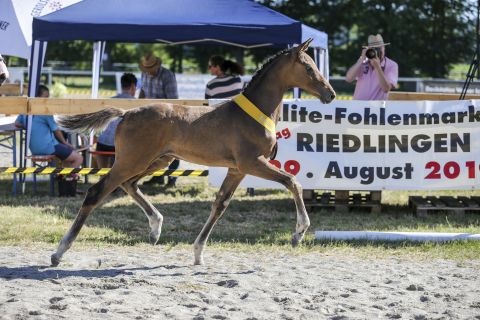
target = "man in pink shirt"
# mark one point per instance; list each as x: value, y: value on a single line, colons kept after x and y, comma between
x: 376, y: 74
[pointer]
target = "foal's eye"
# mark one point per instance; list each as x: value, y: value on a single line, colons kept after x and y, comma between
x: 308, y: 67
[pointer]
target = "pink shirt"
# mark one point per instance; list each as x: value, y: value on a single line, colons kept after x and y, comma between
x: 368, y: 85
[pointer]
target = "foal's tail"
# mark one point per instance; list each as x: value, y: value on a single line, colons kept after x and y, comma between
x: 96, y: 121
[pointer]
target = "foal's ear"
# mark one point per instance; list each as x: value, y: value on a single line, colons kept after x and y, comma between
x: 304, y: 46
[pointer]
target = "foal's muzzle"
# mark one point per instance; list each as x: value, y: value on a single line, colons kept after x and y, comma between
x: 330, y: 98
x: 3, y: 77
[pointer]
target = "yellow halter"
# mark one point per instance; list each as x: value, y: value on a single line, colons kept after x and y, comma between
x: 254, y: 112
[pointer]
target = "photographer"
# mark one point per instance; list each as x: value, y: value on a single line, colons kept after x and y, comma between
x: 376, y: 74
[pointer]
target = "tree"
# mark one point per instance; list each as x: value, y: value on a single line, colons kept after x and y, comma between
x: 72, y: 53
x: 427, y: 36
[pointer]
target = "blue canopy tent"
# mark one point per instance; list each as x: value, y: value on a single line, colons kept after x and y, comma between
x: 242, y: 23
x: 238, y: 22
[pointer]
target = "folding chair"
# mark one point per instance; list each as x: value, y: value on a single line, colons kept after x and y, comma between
x: 44, y: 161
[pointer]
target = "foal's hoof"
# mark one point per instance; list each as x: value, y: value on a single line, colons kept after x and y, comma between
x: 55, y: 260
x: 296, y: 239
x: 154, y: 238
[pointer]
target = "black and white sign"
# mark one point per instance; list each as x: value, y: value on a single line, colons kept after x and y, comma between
x: 375, y: 145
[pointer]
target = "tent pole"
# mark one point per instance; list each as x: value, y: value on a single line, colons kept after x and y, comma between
x: 321, y: 62
x: 318, y: 56
x: 98, y: 49
x: 35, y: 70
x: 37, y: 54
x: 326, y: 65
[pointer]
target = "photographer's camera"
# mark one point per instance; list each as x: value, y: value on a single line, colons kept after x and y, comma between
x: 373, y: 53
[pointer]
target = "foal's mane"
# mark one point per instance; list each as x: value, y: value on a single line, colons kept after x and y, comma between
x: 265, y: 66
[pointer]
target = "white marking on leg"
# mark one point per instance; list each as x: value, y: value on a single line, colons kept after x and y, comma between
x: 303, y: 221
x: 198, y: 252
x: 155, y: 221
x: 155, y: 228
x: 62, y: 248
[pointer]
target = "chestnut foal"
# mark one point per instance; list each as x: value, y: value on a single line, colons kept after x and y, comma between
x: 237, y: 134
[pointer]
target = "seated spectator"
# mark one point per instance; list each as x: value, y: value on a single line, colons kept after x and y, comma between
x: 227, y: 82
x: 106, y: 140
x: 46, y: 138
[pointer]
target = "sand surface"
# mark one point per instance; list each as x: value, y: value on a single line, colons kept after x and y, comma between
x: 156, y: 283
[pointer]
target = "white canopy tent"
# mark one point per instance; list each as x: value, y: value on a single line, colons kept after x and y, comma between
x: 16, y: 18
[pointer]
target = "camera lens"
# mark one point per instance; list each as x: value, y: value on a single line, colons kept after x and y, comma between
x: 371, y: 53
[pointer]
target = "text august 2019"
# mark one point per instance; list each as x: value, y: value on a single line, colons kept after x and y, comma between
x: 375, y: 143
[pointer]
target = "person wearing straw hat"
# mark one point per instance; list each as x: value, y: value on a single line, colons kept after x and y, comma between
x: 375, y: 74
x: 158, y: 82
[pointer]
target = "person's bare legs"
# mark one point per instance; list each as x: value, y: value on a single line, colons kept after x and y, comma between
x: 74, y: 160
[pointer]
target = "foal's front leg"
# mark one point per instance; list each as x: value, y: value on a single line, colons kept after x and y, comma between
x: 229, y: 185
x: 261, y: 168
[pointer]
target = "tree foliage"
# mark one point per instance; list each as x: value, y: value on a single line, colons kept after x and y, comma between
x: 427, y: 37
x: 70, y: 53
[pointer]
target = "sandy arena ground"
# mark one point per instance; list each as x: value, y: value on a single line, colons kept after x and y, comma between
x: 156, y: 283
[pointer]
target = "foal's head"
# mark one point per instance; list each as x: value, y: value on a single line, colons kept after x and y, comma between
x: 3, y: 71
x: 304, y: 74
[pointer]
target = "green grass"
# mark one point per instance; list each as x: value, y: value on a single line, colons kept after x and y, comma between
x: 266, y: 221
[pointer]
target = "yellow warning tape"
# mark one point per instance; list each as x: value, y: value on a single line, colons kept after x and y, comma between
x: 97, y: 171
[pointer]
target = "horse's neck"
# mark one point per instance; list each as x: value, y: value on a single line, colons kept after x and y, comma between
x: 267, y: 92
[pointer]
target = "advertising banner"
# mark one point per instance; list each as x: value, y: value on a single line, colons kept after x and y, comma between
x: 376, y: 145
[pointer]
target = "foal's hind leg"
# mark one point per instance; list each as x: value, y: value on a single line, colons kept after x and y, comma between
x: 229, y: 185
x: 95, y: 194
x: 262, y: 168
x: 155, y: 218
